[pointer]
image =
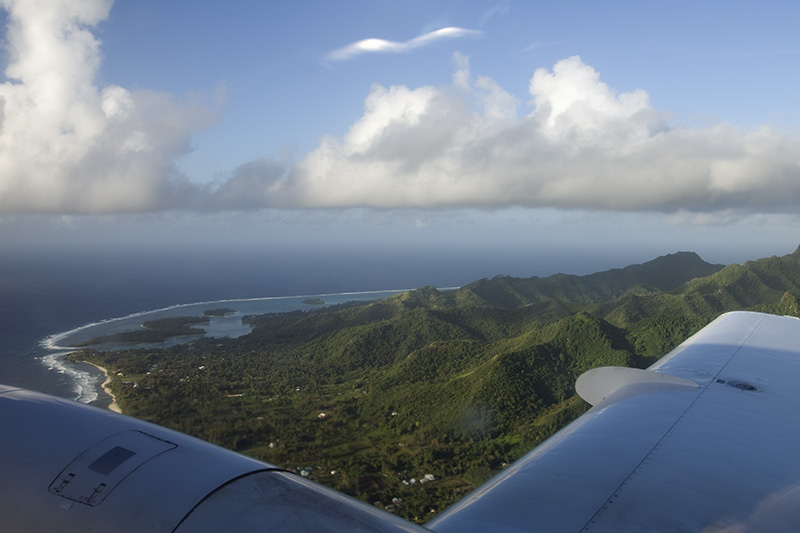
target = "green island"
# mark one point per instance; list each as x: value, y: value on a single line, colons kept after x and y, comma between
x: 313, y: 301
x: 220, y: 311
x: 412, y: 401
x: 153, y: 331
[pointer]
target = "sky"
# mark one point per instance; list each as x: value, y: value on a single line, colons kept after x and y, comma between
x: 643, y: 126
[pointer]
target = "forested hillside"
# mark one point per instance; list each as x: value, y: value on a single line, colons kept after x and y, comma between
x: 372, y: 398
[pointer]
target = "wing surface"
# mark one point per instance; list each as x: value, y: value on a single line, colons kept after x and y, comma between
x: 712, y: 445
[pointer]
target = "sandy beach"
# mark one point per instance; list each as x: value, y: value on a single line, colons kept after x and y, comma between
x: 113, y: 406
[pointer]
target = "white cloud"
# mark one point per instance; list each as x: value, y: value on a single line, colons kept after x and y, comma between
x: 580, y: 145
x: 67, y: 145
x: 373, y: 45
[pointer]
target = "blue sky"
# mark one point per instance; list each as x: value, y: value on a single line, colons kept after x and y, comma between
x: 640, y: 125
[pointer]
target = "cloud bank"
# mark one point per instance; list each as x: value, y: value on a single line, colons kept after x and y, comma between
x: 577, y: 144
x: 69, y: 146
x: 367, y: 46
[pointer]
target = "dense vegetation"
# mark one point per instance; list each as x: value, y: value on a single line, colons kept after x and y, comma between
x: 153, y: 331
x: 220, y: 311
x: 372, y: 398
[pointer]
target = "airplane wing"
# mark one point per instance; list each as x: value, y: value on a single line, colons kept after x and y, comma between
x: 707, y: 439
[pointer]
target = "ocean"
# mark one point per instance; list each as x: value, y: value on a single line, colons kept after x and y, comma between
x: 52, y: 298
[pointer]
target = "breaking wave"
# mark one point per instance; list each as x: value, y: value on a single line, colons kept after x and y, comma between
x: 85, y: 385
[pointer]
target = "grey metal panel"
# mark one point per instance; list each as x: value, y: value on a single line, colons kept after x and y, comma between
x: 726, y: 455
x: 96, y: 472
x: 280, y: 501
x: 702, y: 356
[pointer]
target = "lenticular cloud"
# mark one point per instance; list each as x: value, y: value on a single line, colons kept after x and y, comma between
x: 373, y: 45
x: 67, y: 145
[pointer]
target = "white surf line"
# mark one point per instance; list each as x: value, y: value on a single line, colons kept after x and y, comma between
x: 51, y: 341
x: 85, y: 391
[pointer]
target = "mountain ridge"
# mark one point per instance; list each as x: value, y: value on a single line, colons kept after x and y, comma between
x: 663, y: 273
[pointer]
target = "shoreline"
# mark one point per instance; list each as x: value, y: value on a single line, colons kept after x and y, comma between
x: 51, y: 342
x: 103, y: 397
x: 113, y: 406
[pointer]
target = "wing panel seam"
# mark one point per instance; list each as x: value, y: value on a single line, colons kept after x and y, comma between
x: 616, y: 492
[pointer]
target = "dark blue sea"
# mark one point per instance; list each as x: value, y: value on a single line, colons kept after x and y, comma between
x: 52, y: 298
